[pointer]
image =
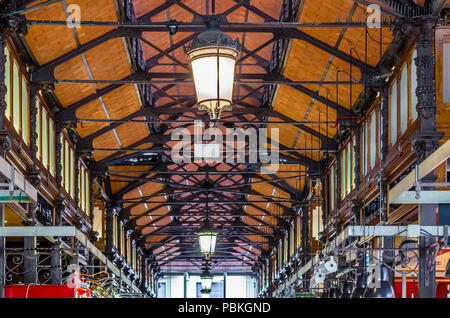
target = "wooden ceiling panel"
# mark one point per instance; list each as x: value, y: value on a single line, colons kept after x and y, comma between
x: 291, y: 103
x: 98, y: 10
x: 108, y: 61
x: 122, y: 102
x: 49, y: 42
x: 325, y: 11
x: 69, y: 93
x: 306, y: 62
x: 272, y: 7
x: 130, y: 132
x: 287, y: 133
x: 179, y: 13
x: 92, y: 110
x: 107, y: 140
x: 142, y: 7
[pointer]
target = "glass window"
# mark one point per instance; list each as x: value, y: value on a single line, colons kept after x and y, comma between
x: 291, y: 240
x: 86, y: 189
x: 373, y: 139
x: 343, y: 173
x: 349, y: 167
x: 44, y: 126
x: 332, y: 189
x: 72, y: 172
x: 38, y: 131
x: 404, y: 100
x: 353, y: 162
x: 8, y: 84
x: 51, y: 148
x: 25, y: 112
x: 298, y: 231
x: 414, y: 114
x: 393, y: 114
x: 286, y: 254
x: 16, y: 97
x: 66, y: 166
x: 365, y: 151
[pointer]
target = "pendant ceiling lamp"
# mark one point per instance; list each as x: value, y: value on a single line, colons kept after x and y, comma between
x: 361, y: 284
x: 207, y: 237
x: 212, y: 56
x: 206, y: 279
x: 384, y: 288
x: 347, y: 290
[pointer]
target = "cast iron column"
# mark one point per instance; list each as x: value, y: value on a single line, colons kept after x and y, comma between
x: 8, y: 24
x: 426, y: 140
x: 357, y: 149
x: 109, y: 229
x: 388, y: 241
x: 306, y: 251
x: 2, y: 255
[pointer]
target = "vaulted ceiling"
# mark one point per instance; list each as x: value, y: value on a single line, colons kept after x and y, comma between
x: 129, y: 88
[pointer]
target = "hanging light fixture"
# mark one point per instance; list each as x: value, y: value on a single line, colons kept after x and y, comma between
x: 206, y: 279
x: 384, y: 290
x: 361, y: 284
x: 207, y: 237
x: 212, y: 56
x: 347, y: 289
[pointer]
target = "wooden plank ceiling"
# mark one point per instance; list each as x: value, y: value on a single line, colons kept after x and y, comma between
x: 140, y: 180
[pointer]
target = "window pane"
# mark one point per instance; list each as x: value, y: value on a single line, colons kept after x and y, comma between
x: 414, y: 87
x: 80, y: 193
x: 332, y: 188
x: 393, y: 113
x: 86, y: 189
x: 373, y: 139
x: 366, y: 149
x: 353, y: 162
x: 8, y: 84
x: 72, y: 173
x: 63, y: 175
x: 38, y: 131
x: 16, y: 97
x: 349, y: 167
x: 404, y: 100
x: 44, y: 138
x: 66, y: 166
x: 25, y: 112
x: 51, y: 146
x: 343, y: 173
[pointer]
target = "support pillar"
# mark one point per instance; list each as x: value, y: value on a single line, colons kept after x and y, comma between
x: 426, y: 140
x: 30, y: 260
x: 56, y: 268
x: 34, y: 174
x: 225, y: 285
x: 306, y: 250
x: 109, y: 229
x: 8, y: 24
x: 2, y: 254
